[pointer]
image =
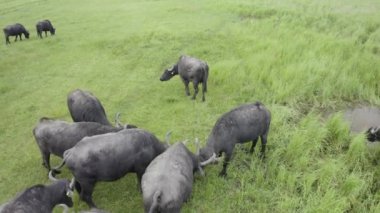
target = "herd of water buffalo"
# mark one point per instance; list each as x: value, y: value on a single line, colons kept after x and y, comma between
x: 18, y: 29
x: 94, y: 150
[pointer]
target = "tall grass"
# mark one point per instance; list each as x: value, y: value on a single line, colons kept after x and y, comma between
x: 303, y: 59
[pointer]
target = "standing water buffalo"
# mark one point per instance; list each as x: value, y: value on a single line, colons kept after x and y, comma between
x: 15, y: 30
x: 41, y: 198
x: 190, y: 70
x: 55, y: 136
x: 109, y: 157
x: 84, y: 106
x: 245, y: 123
x: 45, y: 26
x: 168, y: 180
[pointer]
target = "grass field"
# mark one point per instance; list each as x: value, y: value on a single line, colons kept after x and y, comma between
x: 303, y: 59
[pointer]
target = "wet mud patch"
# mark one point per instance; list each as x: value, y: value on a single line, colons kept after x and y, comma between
x: 362, y: 118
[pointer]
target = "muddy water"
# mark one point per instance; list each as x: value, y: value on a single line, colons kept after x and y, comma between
x: 362, y: 118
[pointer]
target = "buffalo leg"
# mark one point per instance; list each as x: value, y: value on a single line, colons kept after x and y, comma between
x: 204, y: 90
x: 87, y: 188
x: 46, y: 159
x: 263, y: 144
x: 45, y: 33
x: 187, y: 91
x: 227, y: 158
x: 254, y: 142
x: 20, y: 37
x: 16, y: 38
x: 195, y: 84
x: 7, y: 40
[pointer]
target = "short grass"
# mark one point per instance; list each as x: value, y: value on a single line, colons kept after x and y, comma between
x: 301, y: 58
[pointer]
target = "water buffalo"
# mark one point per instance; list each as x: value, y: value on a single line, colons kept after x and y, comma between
x: 373, y: 134
x: 41, y: 198
x: 15, y: 30
x: 109, y: 157
x: 242, y: 124
x: 168, y: 180
x: 45, y: 26
x: 190, y: 70
x: 84, y: 106
x: 56, y: 136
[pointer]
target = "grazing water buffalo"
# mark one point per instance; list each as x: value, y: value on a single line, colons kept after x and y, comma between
x: 84, y: 106
x: 373, y: 134
x: 55, y: 136
x: 109, y: 157
x: 45, y: 26
x: 15, y: 30
x: 41, y: 198
x: 168, y: 180
x: 190, y: 70
x: 245, y: 123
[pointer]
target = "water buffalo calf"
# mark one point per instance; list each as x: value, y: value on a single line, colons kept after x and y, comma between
x: 242, y: 124
x: 190, y: 70
x: 45, y: 26
x: 15, y: 30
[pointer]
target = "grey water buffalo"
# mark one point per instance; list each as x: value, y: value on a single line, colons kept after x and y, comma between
x: 168, y: 180
x: 190, y: 70
x: 373, y: 134
x: 44, y: 26
x: 15, y: 30
x: 242, y: 124
x: 56, y: 136
x: 109, y: 157
x: 84, y: 106
x: 41, y: 198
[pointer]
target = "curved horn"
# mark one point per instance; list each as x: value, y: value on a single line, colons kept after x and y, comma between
x: 117, y: 120
x: 167, y: 137
x: 51, y: 177
x: 72, y: 182
x: 197, y: 145
x: 70, y: 190
x: 210, y: 160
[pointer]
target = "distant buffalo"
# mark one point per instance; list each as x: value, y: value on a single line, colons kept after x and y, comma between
x: 15, y: 30
x: 45, y: 26
x: 190, y: 70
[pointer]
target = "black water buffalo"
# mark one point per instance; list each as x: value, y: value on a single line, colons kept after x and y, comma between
x: 168, y: 180
x: 109, y: 157
x: 41, y: 198
x: 84, y: 106
x: 190, y: 70
x: 373, y: 134
x: 56, y: 136
x: 45, y: 26
x: 242, y: 124
x: 15, y: 30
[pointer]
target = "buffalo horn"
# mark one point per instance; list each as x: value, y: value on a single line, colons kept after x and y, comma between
x: 210, y: 160
x: 51, y: 177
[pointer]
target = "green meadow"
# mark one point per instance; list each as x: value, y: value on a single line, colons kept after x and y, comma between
x: 307, y: 61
